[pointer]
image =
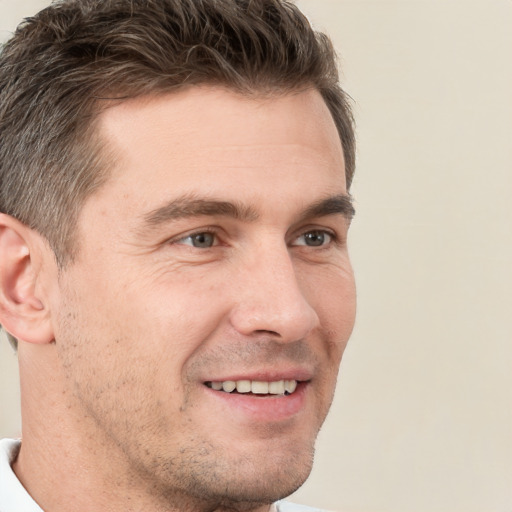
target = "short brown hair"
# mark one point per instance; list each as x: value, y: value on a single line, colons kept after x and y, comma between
x: 61, y: 64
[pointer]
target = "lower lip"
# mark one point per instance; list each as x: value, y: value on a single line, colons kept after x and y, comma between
x: 264, y: 408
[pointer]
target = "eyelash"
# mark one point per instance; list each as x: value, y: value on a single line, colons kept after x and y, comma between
x: 332, y: 237
x: 204, y: 231
x: 322, y: 232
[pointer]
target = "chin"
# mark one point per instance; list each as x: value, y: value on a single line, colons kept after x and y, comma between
x: 251, y: 483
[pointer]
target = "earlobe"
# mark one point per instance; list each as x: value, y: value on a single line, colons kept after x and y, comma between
x: 22, y: 312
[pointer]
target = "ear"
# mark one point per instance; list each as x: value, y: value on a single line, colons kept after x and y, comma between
x: 23, y: 313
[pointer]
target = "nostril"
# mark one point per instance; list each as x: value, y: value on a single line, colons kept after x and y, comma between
x: 271, y: 333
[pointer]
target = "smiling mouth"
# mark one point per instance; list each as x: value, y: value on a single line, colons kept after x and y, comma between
x: 255, y: 387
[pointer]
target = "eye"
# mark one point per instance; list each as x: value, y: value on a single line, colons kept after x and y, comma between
x: 203, y: 240
x: 314, y: 238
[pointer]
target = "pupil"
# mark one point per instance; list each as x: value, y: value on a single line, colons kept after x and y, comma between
x: 315, y: 238
x: 203, y: 240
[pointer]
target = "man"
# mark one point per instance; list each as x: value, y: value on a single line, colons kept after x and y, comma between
x: 173, y: 258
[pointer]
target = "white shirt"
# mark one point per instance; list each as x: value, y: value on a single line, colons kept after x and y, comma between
x: 14, y: 497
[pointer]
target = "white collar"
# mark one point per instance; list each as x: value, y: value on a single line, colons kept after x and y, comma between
x: 13, y: 495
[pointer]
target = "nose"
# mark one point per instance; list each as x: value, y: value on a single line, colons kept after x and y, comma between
x: 269, y: 299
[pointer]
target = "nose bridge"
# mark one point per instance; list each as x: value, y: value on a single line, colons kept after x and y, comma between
x: 270, y: 298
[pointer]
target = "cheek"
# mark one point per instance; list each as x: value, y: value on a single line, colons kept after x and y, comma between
x: 166, y: 321
x: 181, y: 311
x: 331, y: 292
x: 342, y: 312
x: 100, y: 343
x: 118, y: 381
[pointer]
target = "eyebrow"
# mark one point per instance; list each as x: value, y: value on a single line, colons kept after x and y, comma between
x: 341, y: 204
x: 189, y: 206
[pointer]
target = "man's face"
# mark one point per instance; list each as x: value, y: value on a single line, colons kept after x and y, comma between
x: 216, y: 254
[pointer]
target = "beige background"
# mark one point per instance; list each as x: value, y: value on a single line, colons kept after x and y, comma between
x: 423, y: 417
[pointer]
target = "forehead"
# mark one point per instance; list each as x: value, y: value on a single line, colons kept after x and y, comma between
x: 215, y: 141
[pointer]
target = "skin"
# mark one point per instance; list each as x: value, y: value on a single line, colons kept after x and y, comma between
x: 145, y: 315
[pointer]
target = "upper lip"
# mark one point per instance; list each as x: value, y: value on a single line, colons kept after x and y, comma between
x: 298, y: 374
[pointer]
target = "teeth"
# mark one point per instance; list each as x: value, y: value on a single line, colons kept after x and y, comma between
x: 243, y: 386
x: 228, y: 386
x: 290, y: 386
x: 257, y: 387
x: 276, y: 388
